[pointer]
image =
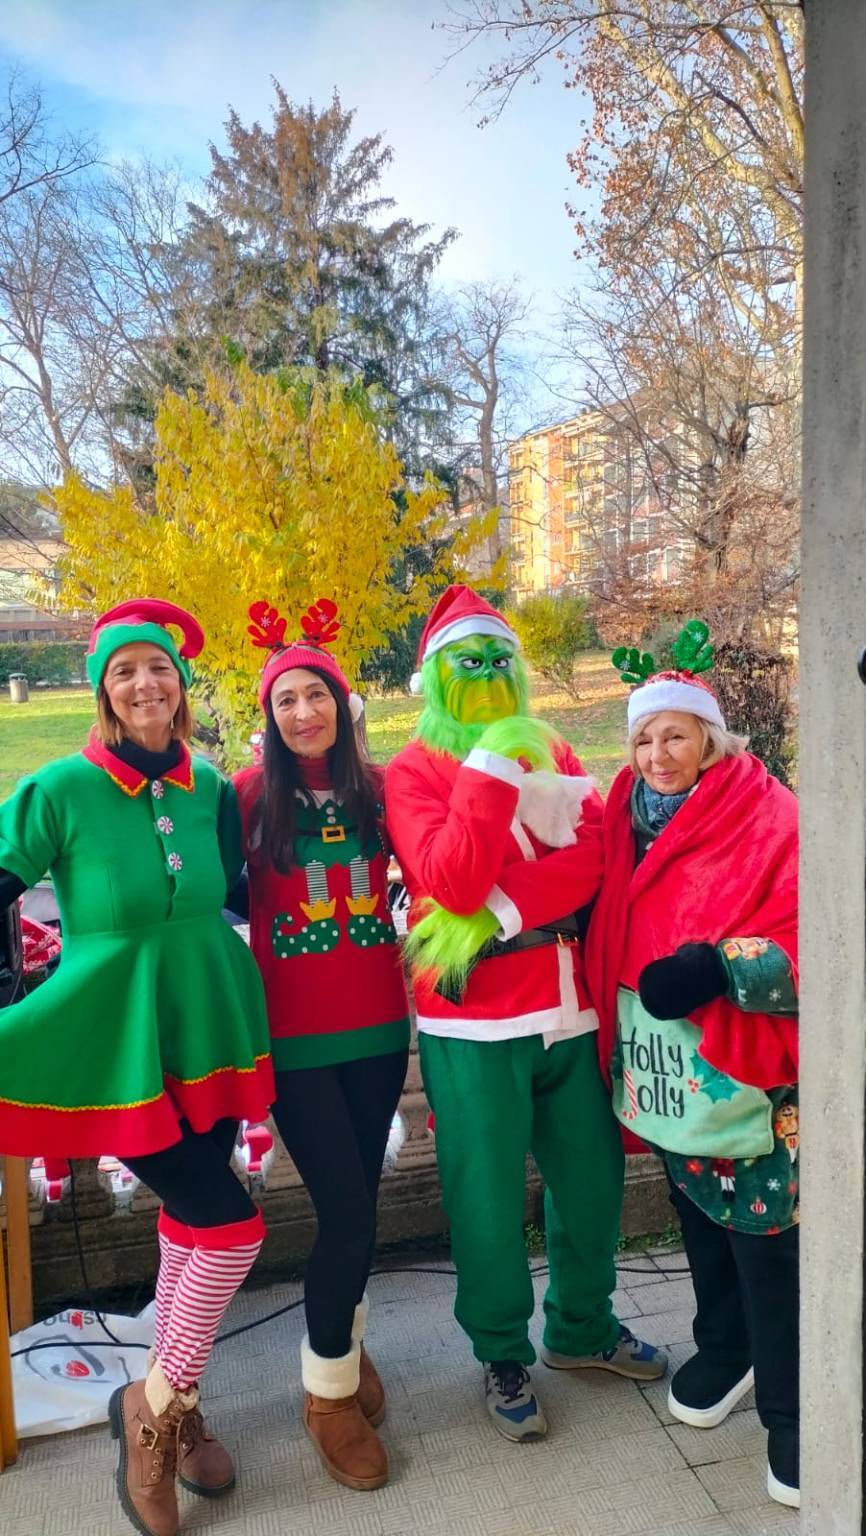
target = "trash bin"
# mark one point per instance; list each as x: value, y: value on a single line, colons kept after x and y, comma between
x: 19, y: 691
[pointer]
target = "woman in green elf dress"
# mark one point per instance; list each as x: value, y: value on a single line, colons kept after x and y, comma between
x: 150, y: 1042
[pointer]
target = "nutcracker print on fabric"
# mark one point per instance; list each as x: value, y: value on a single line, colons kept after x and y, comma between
x: 335, y: 860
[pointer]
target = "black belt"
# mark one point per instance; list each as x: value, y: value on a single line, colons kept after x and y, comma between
x: 564, y: 933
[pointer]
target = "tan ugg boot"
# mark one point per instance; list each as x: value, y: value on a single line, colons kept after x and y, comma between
x: 145, y: 1419
x: 204, y: 1466
x: 349, y: 1448
x: 371, y: 1393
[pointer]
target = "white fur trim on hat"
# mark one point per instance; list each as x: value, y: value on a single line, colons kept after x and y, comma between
x: 415, y: 684
x: 331, y: 1378
x: 673, y: 693
x: 471, y: 624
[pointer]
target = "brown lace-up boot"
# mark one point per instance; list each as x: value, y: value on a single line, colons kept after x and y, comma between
x: 204, y: 1466
x: 347, y: 1444
x: 145, y: 1419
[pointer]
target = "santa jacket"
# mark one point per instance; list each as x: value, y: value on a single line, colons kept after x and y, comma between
x: 455, y: 831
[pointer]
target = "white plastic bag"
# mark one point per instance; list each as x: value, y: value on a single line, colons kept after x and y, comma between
x: 68, y: 1386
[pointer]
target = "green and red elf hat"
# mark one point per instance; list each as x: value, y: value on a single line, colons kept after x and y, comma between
x: 320, y: 627
x: 457, y: 613
x: 682, y: 688
x: 144, y: 620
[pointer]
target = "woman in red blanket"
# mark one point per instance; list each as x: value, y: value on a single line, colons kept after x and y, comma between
x: 692, y: 964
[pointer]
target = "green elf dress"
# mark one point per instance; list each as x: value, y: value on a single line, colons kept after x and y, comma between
x: 156, y: 1011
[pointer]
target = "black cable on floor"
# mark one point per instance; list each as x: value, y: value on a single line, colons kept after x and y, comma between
x: 269, y: 1317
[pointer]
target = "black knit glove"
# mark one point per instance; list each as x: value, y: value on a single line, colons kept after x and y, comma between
x: 674, y: 987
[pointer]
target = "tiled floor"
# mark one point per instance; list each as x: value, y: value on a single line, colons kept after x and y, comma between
x: 614, y: 1464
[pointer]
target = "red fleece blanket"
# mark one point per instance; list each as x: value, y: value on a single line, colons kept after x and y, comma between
x: 725, y: 867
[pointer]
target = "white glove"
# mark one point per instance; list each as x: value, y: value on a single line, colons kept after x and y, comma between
x: 550, y: 806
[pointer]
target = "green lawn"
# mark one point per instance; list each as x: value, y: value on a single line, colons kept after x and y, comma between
x: 57, y: 722
x: 53, y: 723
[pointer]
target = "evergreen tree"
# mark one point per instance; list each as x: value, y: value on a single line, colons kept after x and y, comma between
x: 298, y: 259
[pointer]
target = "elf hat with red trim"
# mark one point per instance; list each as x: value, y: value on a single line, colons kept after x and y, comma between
x: 457, y: 613
x: 143, y: 619
x: 320, y: 627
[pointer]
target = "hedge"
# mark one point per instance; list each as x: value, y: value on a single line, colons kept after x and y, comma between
x: 57, y: 662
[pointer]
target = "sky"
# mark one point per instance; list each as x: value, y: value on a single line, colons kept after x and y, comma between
x: 153, y: 77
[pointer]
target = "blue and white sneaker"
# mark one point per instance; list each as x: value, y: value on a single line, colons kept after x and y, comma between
x: 628, y: 1356
x: 511, y: 1402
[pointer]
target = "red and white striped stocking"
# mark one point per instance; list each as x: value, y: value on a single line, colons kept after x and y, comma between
x: 176, y: 1244
x: 216, y: 1268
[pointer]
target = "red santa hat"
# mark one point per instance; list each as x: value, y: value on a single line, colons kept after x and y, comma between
x: 680, y: 689
x: 457, y: 613
x: 674, y: 690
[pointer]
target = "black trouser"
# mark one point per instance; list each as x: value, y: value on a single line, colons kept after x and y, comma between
x: 747, y: 1290
x: 193, y: 1178
x: 335, y: 1123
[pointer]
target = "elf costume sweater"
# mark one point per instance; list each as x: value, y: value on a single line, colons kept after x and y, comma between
x: 322, y: 933
x: 155, y: 1012
x: 455, y: 830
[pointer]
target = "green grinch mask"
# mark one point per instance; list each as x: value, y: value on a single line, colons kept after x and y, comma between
x: 466, y: 686
x: 477, y: 679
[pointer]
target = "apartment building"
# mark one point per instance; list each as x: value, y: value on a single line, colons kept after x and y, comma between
x: 583, y: 500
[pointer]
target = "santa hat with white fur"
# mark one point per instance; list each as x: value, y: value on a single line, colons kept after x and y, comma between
x: 680, y: 689
x: 457, y: 613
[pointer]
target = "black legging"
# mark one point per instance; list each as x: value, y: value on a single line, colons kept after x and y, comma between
x: 747, y: 1293
x: 335, y: 1122
x: 194, y: 1179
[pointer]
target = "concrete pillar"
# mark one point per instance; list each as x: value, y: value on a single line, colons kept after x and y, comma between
x: 833, y: 771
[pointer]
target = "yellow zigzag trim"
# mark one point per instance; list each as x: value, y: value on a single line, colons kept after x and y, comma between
x: 85, y: 1109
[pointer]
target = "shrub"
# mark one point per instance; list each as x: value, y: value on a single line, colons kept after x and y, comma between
x: 553, y: 630
x: 753, y: 685
x: 57, y: 662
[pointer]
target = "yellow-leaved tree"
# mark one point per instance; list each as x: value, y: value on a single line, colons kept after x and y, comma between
x: 278, y: 486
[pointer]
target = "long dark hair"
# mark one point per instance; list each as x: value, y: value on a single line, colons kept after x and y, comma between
x: 275, y: 815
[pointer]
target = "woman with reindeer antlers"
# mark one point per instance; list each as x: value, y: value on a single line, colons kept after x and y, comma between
x: 321, y: 932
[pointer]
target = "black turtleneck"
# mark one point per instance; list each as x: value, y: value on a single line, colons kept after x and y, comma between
x: 152, y: 764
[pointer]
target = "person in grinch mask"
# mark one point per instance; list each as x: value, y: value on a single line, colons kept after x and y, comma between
x: 150, y: 1041
x: 497, y: 831
x: 691, y: 963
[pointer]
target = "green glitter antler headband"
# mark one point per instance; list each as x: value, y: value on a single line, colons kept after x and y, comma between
x: 692, y: 652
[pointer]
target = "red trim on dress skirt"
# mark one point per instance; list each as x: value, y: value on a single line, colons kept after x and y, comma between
x: 136, y: 1130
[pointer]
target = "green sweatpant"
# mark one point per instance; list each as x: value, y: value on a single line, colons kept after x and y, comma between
x: 494, y: 1101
